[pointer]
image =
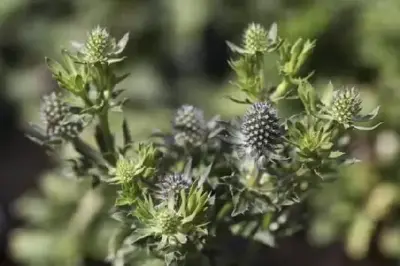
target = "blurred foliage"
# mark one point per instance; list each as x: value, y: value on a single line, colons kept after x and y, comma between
x: 178, y: 54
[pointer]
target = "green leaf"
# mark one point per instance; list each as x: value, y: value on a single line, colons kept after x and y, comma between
x: 336, y: 154
x: 246, y: 101
x: 122, y: 43
x: 327, y: 95
x: 236, y: 48
x: 367, y: 128
x: 368, y: 117
x: 55, y: 67
x: 273, y: 33
x: 240, y: 204
x: 127, y: 136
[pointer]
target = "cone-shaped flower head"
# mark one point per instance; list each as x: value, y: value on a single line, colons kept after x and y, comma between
x: 53, y: 112
x: 255, y: 39
x: 346, y: 104
x: 189, y: 125
x: 258, y: 133
x: 125, y: 170
x: 99, y: 45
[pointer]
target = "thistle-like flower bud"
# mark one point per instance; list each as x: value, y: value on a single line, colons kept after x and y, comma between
x: 168, y: 222
x: 172, y: 184
x: 255, y: 39
x: 189, y: 125
x: 261, y: 130
x: 125, y: 170
x: 53, y: 112
x: 99, y: 45
x: 346, y: 104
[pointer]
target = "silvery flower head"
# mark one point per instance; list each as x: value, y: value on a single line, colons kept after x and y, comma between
x: 54, y: 113
x: 171, y: 184
x: 259, y: 133
x: 190, y: 127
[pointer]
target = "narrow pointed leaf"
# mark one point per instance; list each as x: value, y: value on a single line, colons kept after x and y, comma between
x: 367, y: 128
x: 127, y: 136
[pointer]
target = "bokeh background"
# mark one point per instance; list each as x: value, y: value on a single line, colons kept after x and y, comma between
x: 177, y: 54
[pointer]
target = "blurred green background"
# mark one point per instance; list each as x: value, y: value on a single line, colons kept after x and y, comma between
x: 177, y: 54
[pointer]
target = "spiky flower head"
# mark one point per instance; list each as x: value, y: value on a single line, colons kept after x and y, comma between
x: 98, y: 45
x: 346, y: 104
x: 125, y: 170
x: 255, y: 39
x: 260, y: 130
x: 168, y: 222
x: 54, y: 113
x: 189, y: 125
x: 171, y: 184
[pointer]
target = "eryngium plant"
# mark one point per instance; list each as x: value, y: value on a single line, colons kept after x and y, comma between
x: 174, y: 196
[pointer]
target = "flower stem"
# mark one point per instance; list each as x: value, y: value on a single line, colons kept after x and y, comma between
x: 107, y: 137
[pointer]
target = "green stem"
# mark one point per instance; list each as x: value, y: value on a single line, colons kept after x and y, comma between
x: 108, y: 138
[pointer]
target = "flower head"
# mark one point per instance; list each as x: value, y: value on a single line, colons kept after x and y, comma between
x: 168, y: 222
x: 98, y: 45
x: 125, y: 170
x: 54, y: 113
x: 101, y: 47
x: 259, y: 132
x: 190, y: 127
x: 346, y: 104
x: 255, y: 39
x: 171, y: 184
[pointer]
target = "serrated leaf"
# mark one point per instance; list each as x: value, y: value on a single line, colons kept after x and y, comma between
x: 240, y: 204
